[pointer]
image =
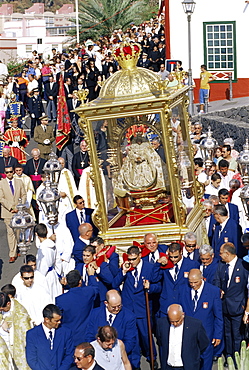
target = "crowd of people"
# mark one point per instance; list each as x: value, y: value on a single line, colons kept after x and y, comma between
x: 70, y: 295
x: 73, y: 305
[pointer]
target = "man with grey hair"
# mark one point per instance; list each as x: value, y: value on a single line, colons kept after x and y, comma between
x: 181, y: 340
x: 153, y: 248
x: 209, y: 219
x: 190, y: 249
x: 209, y: 263
x: 198, y: 135
x: 226, y: 230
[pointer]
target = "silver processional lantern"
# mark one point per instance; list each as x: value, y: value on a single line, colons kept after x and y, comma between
x: 207, y: 147
x: 23, y: 225
x: 49, y: 199
x: 243, y: 161
x: 53, y: 168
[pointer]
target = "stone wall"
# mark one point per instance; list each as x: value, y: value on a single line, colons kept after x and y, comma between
x: 233, y: 122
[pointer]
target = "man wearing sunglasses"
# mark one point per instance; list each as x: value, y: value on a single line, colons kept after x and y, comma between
x: 190, y: 249
x: 84, y: 357
x: 32, y: 295
x: 11, y: 190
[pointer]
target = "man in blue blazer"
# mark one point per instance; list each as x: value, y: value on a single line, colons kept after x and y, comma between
x: 122, y: 319
x: 135, y: 274
x: 175, y: 278
x: 209, y: 263
x: 202, y: 301
x: 78, y: 216
x: 226, y: 230
x: 102, y: 273
x: 85, y: 234
x: 190, y: 243
x: 193, y: 340
x: 49, y: 345
x: 233, y: 210
x: 77, y: 304
x: 232, y: 278
x: 151, y: 252
x: 151, y: 243
x: 113, y: 259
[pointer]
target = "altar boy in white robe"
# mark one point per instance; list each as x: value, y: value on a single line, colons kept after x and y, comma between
x: 46, y: 258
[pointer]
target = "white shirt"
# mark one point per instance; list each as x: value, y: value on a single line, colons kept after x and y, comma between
x: 139, y: 268
x: 225, y: 179
x: 199, y: 291
x: 32, y: 85
x: 185, y: 254
x: 87, y: 242
x: 92, y: 366
x: 175, y: 346
x: 108, y: 313
x: 47, y: 333
x: 79, y: 215
x: 212, y: 190
x: 207, y: 222
x: 156, y: 255
x: 231, y: 268
x: 172, y: 270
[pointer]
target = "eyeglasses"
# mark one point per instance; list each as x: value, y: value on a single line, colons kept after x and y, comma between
x: 9, y: 171
x: 81, y: 202
x: 78, y: 358
x: 116, y: 307
x: 132, y: 259
x: 174, y: 257
x: 28, y: 277
x: 191, y: 246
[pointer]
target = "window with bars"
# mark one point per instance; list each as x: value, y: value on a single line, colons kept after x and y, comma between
x: 220, y: 46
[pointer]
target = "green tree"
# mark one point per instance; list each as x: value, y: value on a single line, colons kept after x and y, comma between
x: 102, y: 17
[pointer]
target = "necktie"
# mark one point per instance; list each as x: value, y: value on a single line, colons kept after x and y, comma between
x: 110, y: 319
x: 226, y: 276
x: 136, y: 277
x: 195, y: 300
x: 219, y: 230
x: 51, y: 339
x: 176, y: 271
x: 11, y: 187
x: 44, y: 128
x: 82, y: 217
x: 188, y: 255
x: 152, y: 259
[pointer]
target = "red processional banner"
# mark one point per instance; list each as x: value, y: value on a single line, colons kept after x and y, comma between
x: 63, y: 119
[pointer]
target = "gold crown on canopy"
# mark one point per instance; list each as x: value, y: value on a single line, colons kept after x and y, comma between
x: 127, y: 54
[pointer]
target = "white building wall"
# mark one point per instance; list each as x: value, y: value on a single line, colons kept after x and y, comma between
x: 208, y: 11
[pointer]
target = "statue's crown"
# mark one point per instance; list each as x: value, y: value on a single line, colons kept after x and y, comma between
x: 127, y: 54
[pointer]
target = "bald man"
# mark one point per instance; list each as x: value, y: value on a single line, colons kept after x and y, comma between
x: 114, y: 314
x: 182, y: 340
x: 85, y: 232
x: 202, y: 301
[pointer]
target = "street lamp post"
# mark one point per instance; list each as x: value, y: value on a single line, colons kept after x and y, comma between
x: 77, y: 20
x: 188, y: 7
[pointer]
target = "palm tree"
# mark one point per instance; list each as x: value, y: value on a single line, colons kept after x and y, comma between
x: 102, y: 17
